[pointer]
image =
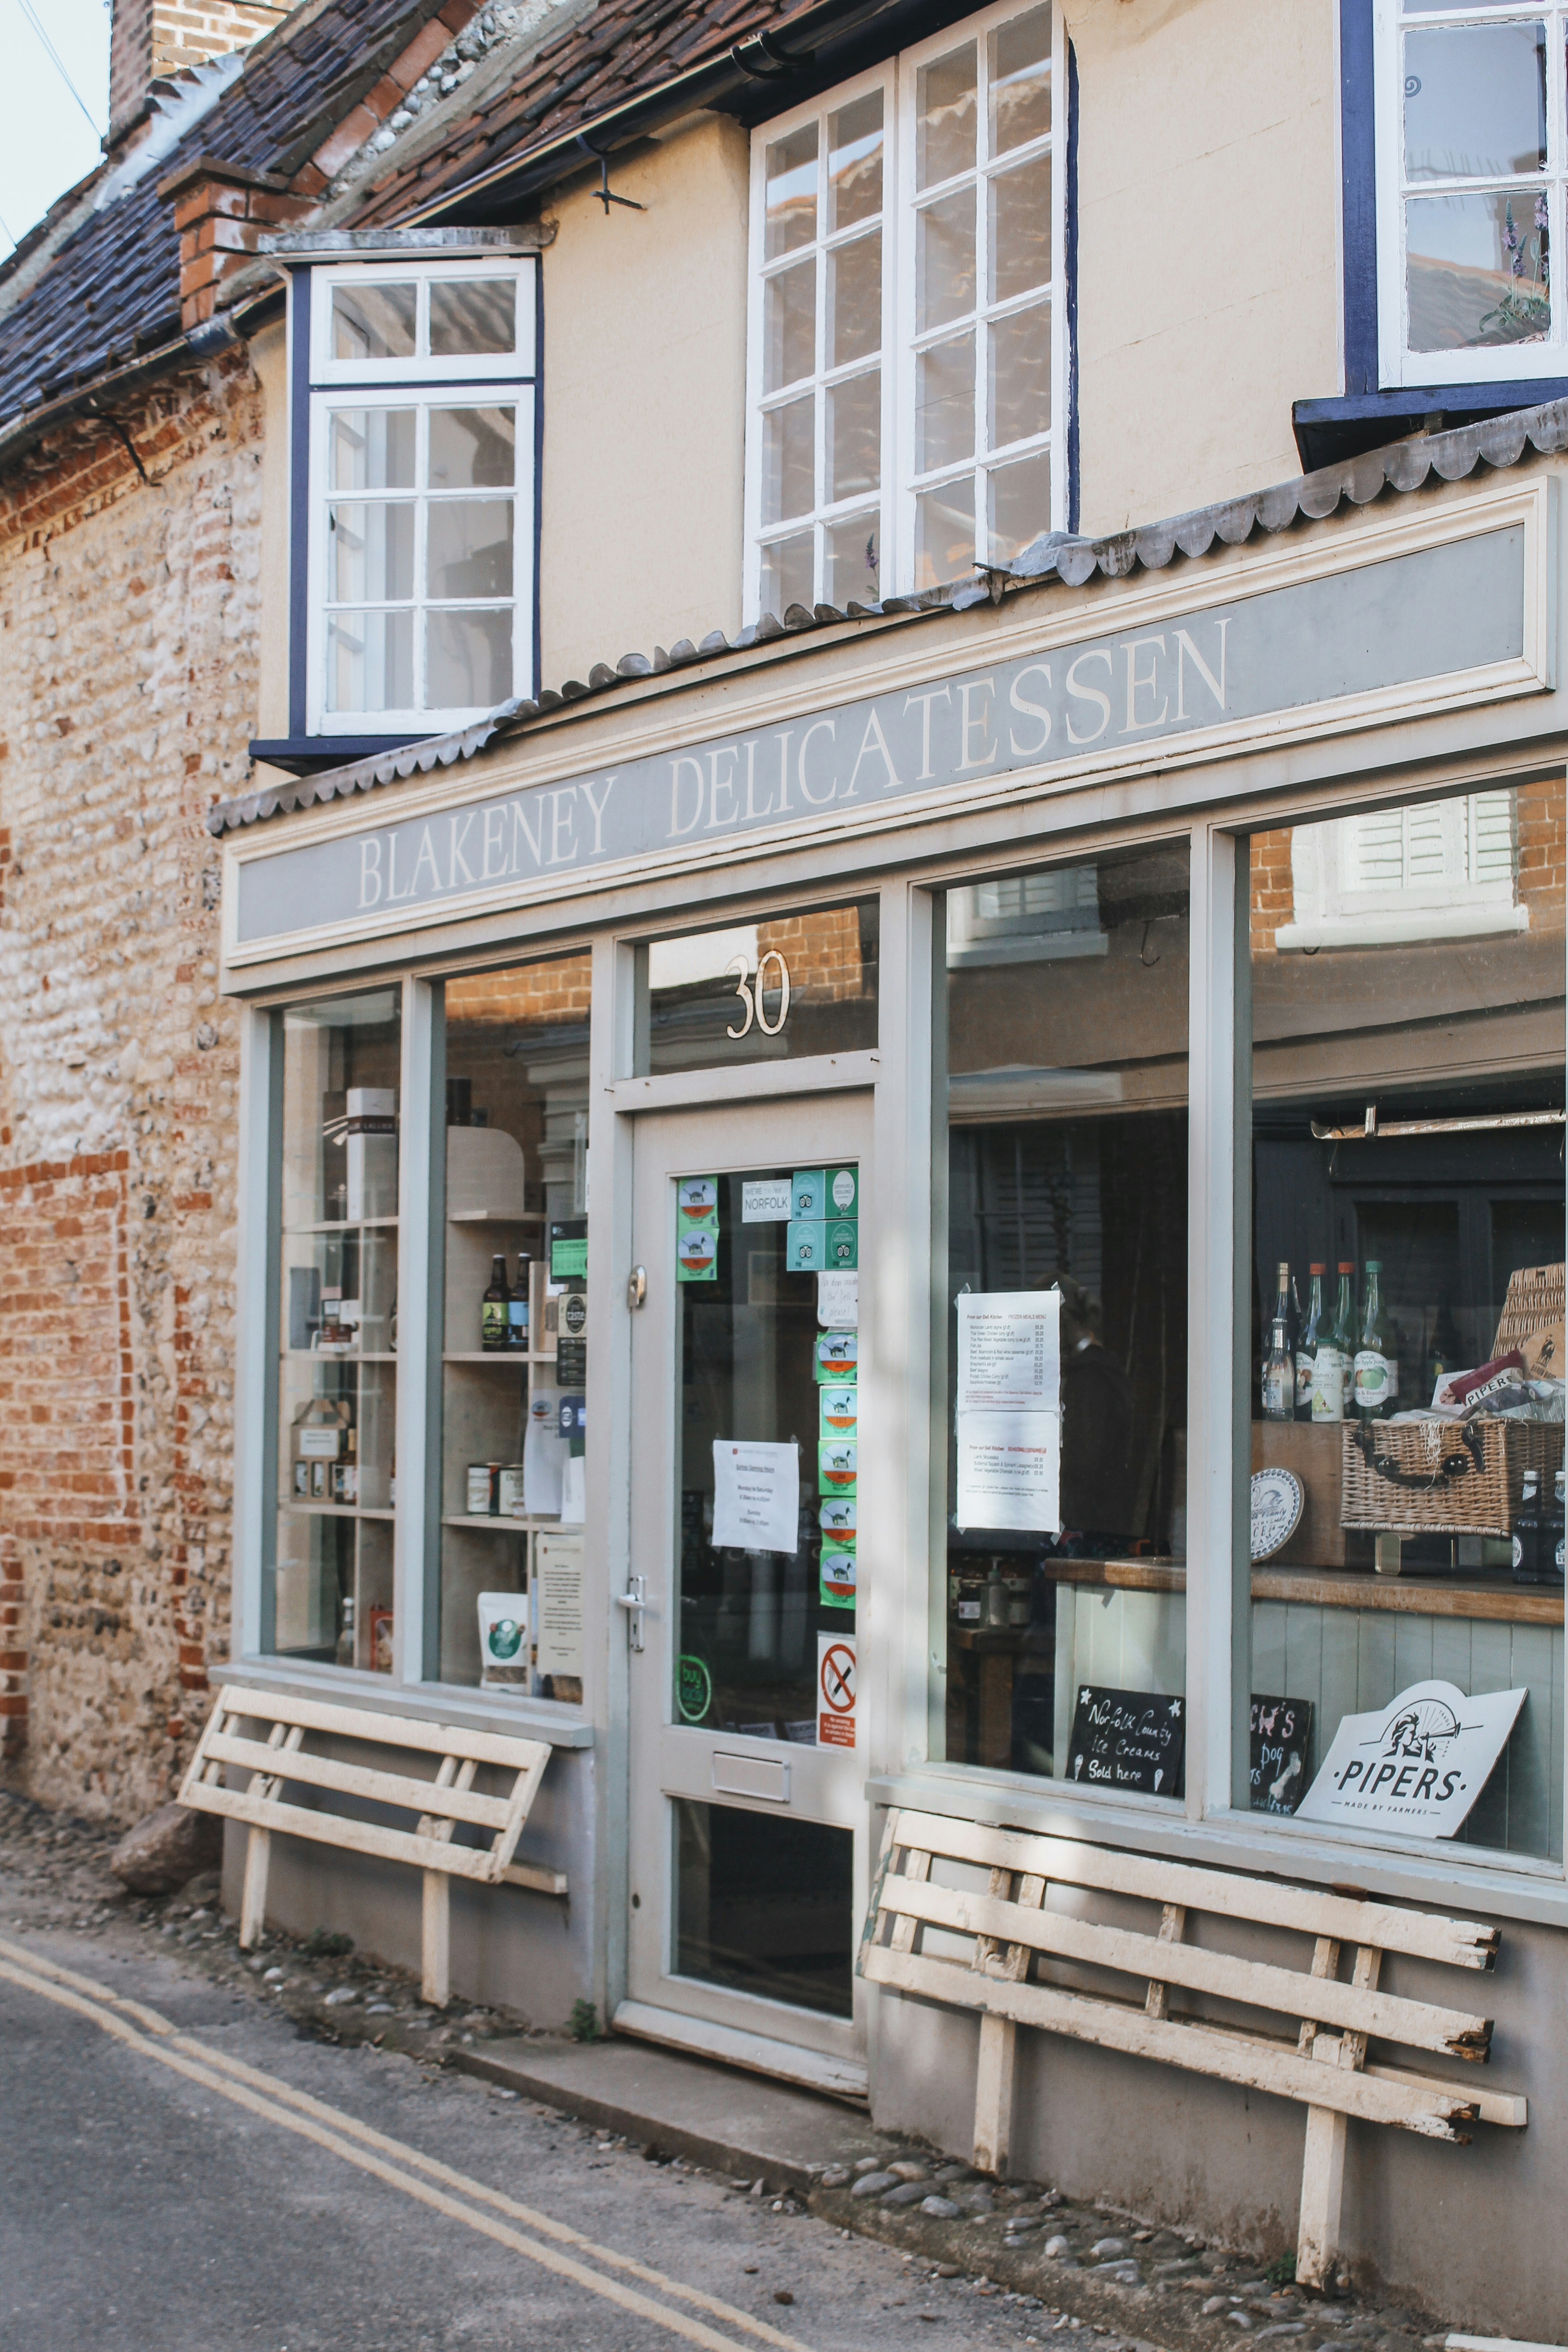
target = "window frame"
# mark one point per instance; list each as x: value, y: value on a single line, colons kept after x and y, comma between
x: 422, y: 383
x: 1502, y: 364
x: 895, y: 497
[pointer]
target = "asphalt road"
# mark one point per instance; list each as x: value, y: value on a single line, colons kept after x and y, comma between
x: 162, y: 2184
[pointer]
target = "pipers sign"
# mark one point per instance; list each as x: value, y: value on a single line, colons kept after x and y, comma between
x: 1283, y: 659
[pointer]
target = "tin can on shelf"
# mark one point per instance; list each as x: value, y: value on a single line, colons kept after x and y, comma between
x: 484, y: 1489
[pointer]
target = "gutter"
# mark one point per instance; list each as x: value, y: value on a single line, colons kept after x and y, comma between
x: 775, y: 54
x: 204, y: 343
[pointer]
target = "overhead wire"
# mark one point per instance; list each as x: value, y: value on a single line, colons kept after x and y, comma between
x: 58, y: 63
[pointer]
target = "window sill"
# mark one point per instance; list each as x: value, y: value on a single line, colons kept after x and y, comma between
x: 305, y: 755
x: 1399, y: 931
x: 460, y: 1704
x: 1329, y: 431
x: 1434, y: 1875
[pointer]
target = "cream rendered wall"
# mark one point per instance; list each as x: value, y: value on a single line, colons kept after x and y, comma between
x: 1208, y: 245
x: 645, y: 404
x: 269, y: 358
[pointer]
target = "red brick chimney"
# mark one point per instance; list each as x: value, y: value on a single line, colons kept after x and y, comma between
x: 220, y: 211
x: 154, y: 38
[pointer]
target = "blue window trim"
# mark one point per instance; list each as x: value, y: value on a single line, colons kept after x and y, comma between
x: 1366, y: 414
x: 299, y: 751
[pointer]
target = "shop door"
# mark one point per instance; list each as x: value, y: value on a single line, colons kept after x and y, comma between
x: 746, y: 1820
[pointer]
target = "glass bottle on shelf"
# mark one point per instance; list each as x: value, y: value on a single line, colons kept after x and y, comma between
x: 1279, y: 1361
x: 494, y: 1306
x: 1527, y: 1531
x: 1307, y: 1343
x: 345, y: 1652
x: 1375, y: 1381
x: 517, y: 1308
x: 1332, y: 1368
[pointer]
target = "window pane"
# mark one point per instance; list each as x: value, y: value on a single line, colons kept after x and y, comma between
x: 944, y: 259
x: 371, y: 448
x: 1066, y: 1108
x: 370, y: 552
x: 787, y: 575
x: 855, y: 299
x: 1020, y: 497
x: 944, y: 533
x: 1021, y: 228
x: 473, y: 315
x: 854, y: 561
x: 944, y: 117
x: 370, y: 661
x: 855, y: 162
x: 1021, y: 80
x: 469, y: 547
x: 789, y: 326
x: 1475, y: 101
x: 765, y: 1906
x: 1403, y: 1376
x: 1479, y: 270
x: 374, y: 322
x: 944, y: 403
x: 472, y: 448
x: 830, y: 956
x: 467, y: 660
x: 789, y: 462
x: 790, y: 191
x: 517, y: 1172
x: 855, y: 436
x: 1020, y: 375
x: 327, y: 1589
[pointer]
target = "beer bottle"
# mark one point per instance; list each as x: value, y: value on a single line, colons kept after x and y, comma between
x: 517, y: 1308
x: 494, y: 1306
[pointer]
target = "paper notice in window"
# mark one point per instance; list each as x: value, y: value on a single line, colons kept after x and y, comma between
x: 756, y: 1495
x: 1008, y: 1465
x: 1009, y: 1410
x: 1009, y: 1351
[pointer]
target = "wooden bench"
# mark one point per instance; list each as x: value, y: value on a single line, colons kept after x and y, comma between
x: 282, y: 1761
x: 1009, y: 1935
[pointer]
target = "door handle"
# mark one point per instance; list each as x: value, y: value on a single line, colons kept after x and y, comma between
x: 636, y: 1287
x: 634, y: 1600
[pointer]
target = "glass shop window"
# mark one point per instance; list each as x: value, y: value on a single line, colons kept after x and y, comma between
x: 328, y: 1582
x: 514, y: 1332
x: 765, y: 990
x: 1063, y: 1392
x: 1405, y: 1532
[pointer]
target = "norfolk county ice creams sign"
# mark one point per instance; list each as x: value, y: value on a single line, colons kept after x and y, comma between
x: 1405, y: 629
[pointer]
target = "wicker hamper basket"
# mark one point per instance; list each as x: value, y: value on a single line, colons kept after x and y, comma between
x: 1449, y: 1478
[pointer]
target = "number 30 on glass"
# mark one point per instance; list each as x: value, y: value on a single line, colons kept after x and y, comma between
x: 756, y: 1011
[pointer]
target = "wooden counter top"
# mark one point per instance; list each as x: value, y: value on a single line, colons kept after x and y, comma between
x: 1492, y: 1597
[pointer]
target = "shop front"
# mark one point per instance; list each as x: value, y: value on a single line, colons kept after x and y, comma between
x: 962, y: 1208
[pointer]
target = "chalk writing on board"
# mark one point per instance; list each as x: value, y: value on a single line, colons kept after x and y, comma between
x: 1281, y: 1735
x: 1127, y: 1739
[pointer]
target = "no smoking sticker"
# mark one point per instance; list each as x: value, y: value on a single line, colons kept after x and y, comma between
x: 834, y: 1690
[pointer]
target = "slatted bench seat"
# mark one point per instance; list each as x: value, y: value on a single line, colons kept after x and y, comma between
x: 1010, y: 1937
x: 281, y: 1763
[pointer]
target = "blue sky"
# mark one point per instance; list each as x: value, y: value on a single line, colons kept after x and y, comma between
x: 50, y: 143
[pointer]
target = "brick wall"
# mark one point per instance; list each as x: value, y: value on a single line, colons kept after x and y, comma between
x: 128, y: 621
x: 154, y: 37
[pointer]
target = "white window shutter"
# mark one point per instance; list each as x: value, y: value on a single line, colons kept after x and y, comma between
x: 1374, y: 851
x: 1491, y: 837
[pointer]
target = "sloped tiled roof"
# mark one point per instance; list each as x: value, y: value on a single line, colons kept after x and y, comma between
x: 113, y: 289
x: 1424, y: 462
x: 621, y: 49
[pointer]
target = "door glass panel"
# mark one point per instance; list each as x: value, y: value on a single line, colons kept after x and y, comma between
x: 804, y: 982
x: 765, y: 1904
x: 331, y: 1586
x: 1066, y: 1107
x: 768, y: 1268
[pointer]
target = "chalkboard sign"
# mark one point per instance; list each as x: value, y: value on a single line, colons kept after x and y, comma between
x: 1127, y: 1739
x: 1281, y: 1733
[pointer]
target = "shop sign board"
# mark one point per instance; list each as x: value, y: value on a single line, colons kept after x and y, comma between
x: 1281, y: 658
x: 1416, y: 1765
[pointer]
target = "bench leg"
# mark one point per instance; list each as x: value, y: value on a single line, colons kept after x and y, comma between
x: 993, y: 2095
x: 1323, y: 2193
x: 253, y: 1899
x: 435, y: 1939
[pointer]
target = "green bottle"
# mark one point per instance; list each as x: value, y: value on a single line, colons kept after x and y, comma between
x: 1374, y: 1384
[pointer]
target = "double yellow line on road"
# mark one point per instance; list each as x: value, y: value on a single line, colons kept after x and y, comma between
x: 487, y: 2211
